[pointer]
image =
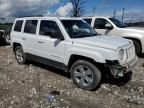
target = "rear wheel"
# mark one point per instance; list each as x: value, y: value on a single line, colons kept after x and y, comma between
x: 85, y: 75
x: 20, y: 55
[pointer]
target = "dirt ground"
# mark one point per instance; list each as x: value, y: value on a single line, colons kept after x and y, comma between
x: 39, y: 86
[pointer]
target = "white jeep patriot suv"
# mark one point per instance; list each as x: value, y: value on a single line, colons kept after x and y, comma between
x: 112, y: 26
x: 72, y: 45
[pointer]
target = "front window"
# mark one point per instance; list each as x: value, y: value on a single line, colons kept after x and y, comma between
x: 118, y: 23
x: 49, y: 28
x: 100, y: 23
x: 78, y: 28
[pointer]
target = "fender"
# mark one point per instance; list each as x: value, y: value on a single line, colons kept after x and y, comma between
x: 19, y: 41
x: 132, y: 35
x: 97, y: 56
x: 135, y: 36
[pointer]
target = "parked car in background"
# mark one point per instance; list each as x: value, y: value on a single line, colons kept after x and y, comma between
x: 7, y: 35
x: 72, y: 45
x: 2, y: 37
x: 111, y: 26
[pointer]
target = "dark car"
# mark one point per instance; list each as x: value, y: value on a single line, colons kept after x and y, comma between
x: 2, y: 36
x: 7, y: 34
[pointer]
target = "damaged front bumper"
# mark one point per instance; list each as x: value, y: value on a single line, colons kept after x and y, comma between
x: 118, y: 70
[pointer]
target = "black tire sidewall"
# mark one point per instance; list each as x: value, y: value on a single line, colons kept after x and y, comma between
x: 96, y: 74
x: 24, y: 56
x: 137, y: 47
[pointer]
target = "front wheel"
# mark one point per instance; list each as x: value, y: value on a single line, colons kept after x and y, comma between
x: 85, y: 75
x: 137, y: 47
x: 20, y: 55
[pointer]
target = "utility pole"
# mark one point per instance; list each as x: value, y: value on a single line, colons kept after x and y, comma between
x: 123, y: 10
x: 132, y: 19
x: 141, y: 19
x: 114, y: 13
x: 94, y: 10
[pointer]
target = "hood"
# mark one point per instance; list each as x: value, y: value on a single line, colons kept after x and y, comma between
x: 135, y: 29
x: 109, y: 42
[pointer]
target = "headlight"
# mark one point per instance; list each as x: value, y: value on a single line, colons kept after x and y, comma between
x: 121, y: 54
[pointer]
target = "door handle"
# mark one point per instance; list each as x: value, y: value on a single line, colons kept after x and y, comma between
x: 40, y: 42
x: 23, y: 38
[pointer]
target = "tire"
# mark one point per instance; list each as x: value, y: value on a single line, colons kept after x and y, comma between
x: 137, y: 47
x: 85, y: 75
x: 20, y: 55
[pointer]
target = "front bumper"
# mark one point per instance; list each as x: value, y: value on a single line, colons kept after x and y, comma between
x: 118, y: 70
x: 129, y: 66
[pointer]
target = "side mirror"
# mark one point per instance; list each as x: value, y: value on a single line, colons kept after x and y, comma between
x: 109, y: 26
x: 57, y: 35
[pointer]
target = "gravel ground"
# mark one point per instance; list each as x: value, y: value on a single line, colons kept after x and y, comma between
x: 39, y: 86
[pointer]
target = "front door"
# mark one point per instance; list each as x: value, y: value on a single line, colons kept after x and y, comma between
x: 49, y: 46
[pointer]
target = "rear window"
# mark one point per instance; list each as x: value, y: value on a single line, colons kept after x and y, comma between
x: 30, y: 26
x: 89, y: 20
x: 18, y: 25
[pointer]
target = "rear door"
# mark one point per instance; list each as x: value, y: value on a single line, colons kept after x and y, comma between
x: 29, y: 36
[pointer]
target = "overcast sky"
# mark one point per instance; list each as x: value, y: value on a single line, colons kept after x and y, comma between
x: 17, y: 8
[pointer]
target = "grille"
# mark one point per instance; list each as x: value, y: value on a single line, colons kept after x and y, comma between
x: 130, y: 53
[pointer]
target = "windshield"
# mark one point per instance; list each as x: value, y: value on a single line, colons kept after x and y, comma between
x: 118, y: 23
x: 88, y: 21
x: 78, y: 28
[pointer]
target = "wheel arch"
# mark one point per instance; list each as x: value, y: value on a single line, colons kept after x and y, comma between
x: 136, y: 39
x: 15, y: 44
x: 75, y: 57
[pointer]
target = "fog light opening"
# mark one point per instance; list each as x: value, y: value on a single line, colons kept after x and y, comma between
x: 117, y: 72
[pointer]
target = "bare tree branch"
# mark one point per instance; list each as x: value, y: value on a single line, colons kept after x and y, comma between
x: 78, y: 7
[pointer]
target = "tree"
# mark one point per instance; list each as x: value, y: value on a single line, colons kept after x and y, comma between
x: 78, y: 7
